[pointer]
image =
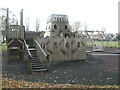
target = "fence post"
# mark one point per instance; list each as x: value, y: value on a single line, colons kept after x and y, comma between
x: 29, y: 67
x: 48, y: 62
x: 8, y: 54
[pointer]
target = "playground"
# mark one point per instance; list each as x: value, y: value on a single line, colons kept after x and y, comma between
x: 59, y: 58
x: 96, y: 70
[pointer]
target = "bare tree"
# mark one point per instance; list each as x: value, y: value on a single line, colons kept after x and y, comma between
x: 85, y: 26
x: 12, y: 20
x: 3, y: 21
x: 76, y: 26
x: 37, y: 24
x: 103, y: 29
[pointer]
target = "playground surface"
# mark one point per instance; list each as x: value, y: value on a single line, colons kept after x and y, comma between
x: 96, y: 70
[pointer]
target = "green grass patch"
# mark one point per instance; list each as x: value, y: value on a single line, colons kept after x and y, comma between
x: 4, y: 47
x: 106, y: 43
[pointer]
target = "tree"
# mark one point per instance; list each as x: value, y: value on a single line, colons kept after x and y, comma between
x: 85, y: 26
x: 118, y: 37
x: 76, y: 26
x: 12, y: 19
x: 103, y: 29
x: 37, y: 24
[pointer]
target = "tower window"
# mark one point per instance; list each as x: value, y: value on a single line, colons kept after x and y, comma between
x: 52, y: 30
x: 78, y: 44
x: 49, y: 27
x: 55, y: 44
x: 55, y: 26
x: 66, y: 27
x: 67, y: 45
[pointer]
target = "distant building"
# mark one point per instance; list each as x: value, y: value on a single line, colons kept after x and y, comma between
x: 117, y: 34
x: 95, y: 36
x: 98, y: 36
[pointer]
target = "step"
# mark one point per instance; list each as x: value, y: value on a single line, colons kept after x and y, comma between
x: 34, y: 59
x: 31, y: 49
x: 33, y: 52
x: 38, y: 67
x: 34, y: 55
x: 34, y: 65
x: 39, y: 70
x: 35, y: 62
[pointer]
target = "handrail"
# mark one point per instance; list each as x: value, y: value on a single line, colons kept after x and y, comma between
x: 40, y: 48
x: 45, y: 58
x: 27, y: 49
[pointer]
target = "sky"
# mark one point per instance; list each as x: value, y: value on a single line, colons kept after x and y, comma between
x: 96, y: 13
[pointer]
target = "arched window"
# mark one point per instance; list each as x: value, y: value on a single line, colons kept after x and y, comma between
x: 55, y: 19
x: 55, y: 26
x: 67, y: 45
x: 42, y: 45
x: 66, y: 27
x: 55, y: 44
x: 49, y: 27
x: 78, y: 45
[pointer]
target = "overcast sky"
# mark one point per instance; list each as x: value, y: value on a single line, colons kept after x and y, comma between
x: 96, y: 13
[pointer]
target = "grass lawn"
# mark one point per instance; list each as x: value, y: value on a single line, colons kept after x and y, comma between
x: 10, y: 83
x: 106, y: 43
x: 4, y: 47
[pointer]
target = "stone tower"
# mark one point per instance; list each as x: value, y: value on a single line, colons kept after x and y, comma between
x: 57, y: 26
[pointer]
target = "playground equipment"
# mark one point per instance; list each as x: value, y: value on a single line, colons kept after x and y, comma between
x: 14, y: 37
x: 91, y: 39
x: 16, y: 44
x: 98, y: 48
x: 56, y: 44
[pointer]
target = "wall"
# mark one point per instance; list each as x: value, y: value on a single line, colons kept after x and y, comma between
x: 64, y: 49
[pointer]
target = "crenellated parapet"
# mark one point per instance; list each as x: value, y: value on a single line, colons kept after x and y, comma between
x: 57, y: 26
